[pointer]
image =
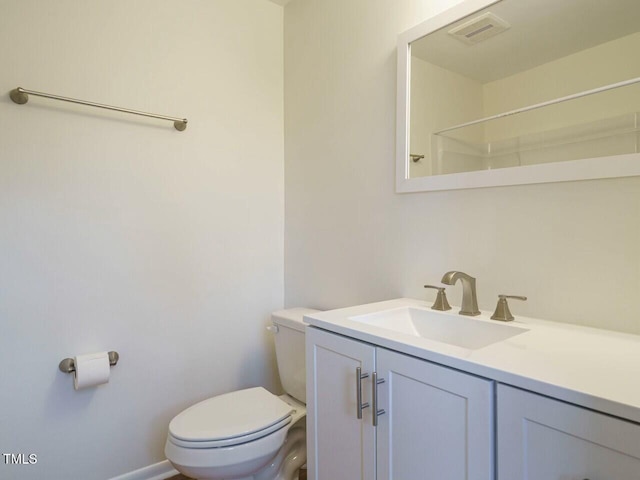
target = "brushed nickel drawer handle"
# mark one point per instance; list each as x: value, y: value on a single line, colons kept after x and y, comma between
x: 374, y: 398
x: 359, y: 405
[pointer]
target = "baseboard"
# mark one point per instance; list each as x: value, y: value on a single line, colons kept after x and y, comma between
x: 157, y: 471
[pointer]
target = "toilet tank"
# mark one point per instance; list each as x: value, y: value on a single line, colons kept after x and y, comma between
x: 290, y: 352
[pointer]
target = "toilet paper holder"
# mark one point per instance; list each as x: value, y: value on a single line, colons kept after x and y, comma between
x: 69, y: 366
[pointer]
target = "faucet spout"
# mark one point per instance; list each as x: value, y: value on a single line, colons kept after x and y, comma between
x: 469, y: 296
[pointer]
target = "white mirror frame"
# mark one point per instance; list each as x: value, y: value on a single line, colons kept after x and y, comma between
x: 587, y: 169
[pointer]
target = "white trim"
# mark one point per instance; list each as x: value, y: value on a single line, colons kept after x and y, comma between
x: 157, y: 471
x: 588, y: 169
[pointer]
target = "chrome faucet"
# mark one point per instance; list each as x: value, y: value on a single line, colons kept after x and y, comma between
x: 469, y: 298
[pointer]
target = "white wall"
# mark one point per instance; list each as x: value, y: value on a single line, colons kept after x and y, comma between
x: 572, y: 248
x: 120, y: 233
x: 441, y: 98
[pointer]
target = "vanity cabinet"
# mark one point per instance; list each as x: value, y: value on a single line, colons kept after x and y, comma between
x: 542, y: 438
x: 434, y: 422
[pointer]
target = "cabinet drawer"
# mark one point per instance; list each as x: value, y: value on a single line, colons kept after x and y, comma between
x: 539, y: 438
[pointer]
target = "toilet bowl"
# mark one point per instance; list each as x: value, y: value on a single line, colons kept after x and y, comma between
x: 252, y: 433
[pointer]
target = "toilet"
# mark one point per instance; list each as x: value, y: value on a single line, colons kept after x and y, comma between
x: 249, y: 434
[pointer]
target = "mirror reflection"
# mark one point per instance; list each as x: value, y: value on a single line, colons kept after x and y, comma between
x: 524, y: 83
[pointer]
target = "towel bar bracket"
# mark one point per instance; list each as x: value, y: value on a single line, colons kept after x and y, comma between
x: 19, y: 97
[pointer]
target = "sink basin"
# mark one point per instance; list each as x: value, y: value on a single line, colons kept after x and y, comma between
x: 466, y: 332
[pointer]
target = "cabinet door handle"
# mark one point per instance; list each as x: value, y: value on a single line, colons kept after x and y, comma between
x: 359, y: 404
x: 374, y: 398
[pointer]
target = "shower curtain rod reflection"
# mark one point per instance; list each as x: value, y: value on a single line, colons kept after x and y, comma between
x: 21, y: 96
x: 573, y: 96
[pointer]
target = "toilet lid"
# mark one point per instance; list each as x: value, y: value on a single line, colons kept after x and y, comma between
x: 225, y: 417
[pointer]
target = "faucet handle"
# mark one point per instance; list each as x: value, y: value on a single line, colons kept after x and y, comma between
x: 441, y: 299
x: 502, y: 312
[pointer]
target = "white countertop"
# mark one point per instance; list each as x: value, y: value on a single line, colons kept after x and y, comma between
x: 593, y: 368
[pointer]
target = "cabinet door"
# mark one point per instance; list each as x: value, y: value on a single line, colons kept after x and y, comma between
x: 438, y: 423
x: 339, y: 445
x: 544, y: 439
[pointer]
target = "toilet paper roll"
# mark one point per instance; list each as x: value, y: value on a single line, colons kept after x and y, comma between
x: 91, y: 370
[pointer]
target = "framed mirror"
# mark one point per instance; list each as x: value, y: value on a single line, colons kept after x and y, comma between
x: 514, y: 92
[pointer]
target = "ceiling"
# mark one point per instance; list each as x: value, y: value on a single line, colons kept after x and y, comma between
x: 541, y: 31
x: 280, y: 2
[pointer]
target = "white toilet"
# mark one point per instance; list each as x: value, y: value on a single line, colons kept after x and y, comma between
x: 249, y: 434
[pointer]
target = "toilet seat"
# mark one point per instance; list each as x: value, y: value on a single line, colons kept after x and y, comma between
x: 230, y: 442
x: 230, y: 419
